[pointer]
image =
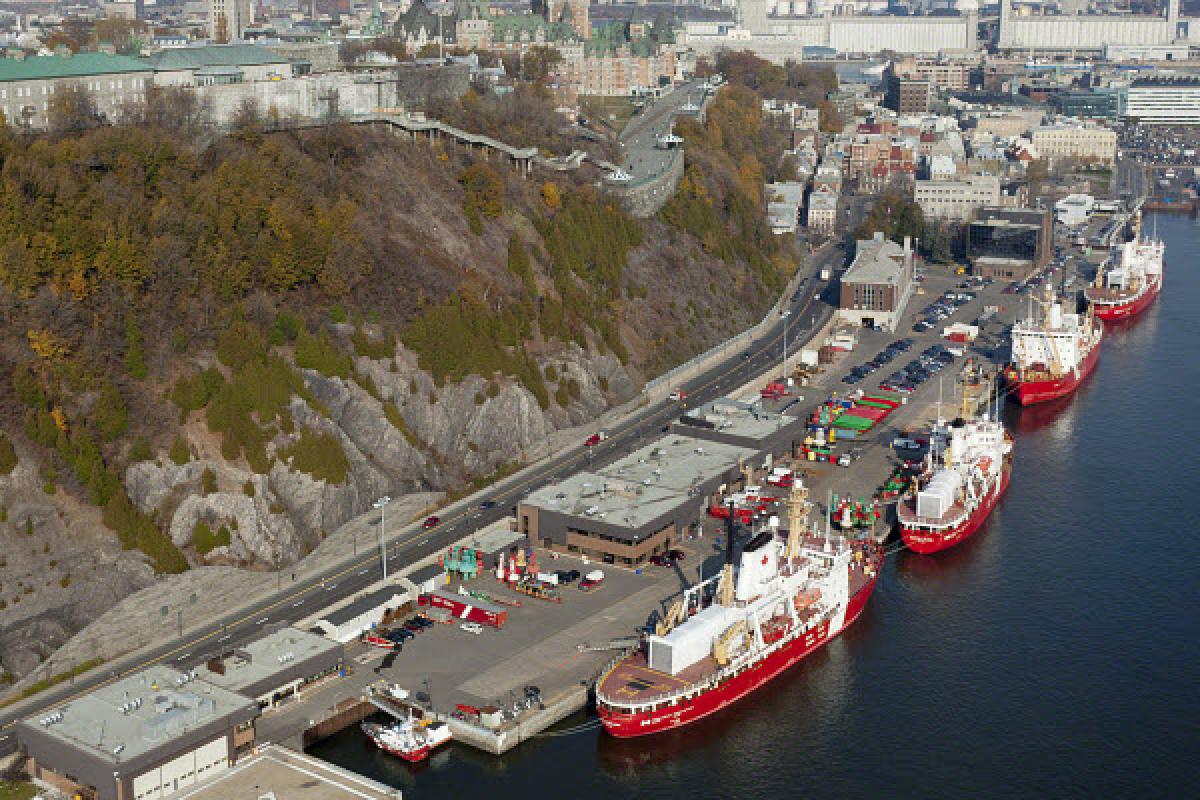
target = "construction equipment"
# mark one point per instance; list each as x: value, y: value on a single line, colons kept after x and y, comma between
x: 671, y: 619
x: 731, y: 640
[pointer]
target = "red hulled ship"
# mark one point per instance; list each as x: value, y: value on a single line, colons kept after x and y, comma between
x: 731, y: 634
x: 1130, y: 283
x: 966, y: 473
x: 1052, y: 352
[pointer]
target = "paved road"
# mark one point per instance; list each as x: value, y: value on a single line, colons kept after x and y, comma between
x: 643, y: 158
x: 310, y: 594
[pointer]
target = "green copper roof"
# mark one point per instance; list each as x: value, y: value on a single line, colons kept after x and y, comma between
x: 221, y: 55
x: 79, y: 65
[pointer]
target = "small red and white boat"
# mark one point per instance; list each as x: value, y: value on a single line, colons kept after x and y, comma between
x: 1052, y: 352
x: 966, y: 473
x: 410, y: 738
x: 1130, y: 283
x: 734, y: 632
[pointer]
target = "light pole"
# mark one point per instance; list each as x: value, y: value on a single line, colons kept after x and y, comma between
x: 381, y: 504
x: 785, y: 314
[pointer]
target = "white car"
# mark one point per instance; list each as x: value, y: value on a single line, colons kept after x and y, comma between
x: 472, y: 627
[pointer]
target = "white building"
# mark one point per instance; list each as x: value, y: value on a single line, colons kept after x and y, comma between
x: 822, y: 211
x: 1076, y: 141
x: 1022, y: 29
x: 1164, y: 101
x: 955, y: 200
x: 1074, y: 209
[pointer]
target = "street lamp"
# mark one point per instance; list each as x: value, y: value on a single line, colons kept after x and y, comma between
x: 381, y: 504
x: 787, y: 312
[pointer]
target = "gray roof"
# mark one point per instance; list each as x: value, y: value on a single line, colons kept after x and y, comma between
x: 425, y: 573
x: 876, y: 260
x: 139, y: 713
x: 643, y: 486
x: 221, y: 55
x: 361, y: 605
x: 739, y: 419
x: 78, y: 65
x: 268, y: 656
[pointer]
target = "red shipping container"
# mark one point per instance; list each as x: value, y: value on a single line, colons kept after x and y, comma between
x: 470, y: 609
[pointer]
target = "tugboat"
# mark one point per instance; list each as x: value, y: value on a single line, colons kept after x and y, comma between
x: 966, y: 473
x: 1052, y: 355
x: 410, y: 738
x: 789, y: 595
x: 1132, y: 281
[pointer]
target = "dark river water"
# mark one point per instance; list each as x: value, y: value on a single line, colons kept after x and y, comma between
x: 1054, y: 654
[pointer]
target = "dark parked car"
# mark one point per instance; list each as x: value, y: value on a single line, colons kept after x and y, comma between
x: 414, y: 626
x: 487, y: 504
x: 676, y: 555
x: 567, y: 575
x: 431, y: 522
x: 660, y: 561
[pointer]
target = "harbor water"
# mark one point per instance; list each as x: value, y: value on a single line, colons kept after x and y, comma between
x: 1054, y: 654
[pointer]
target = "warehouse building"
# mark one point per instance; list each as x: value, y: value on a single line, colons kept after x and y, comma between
x: 277, y: 667
x: 142, y: 737
x: 878, y: 284
x: 1009, y: 244
x: 741, y: 424
x: 637, y: 506
x: 348, y: 622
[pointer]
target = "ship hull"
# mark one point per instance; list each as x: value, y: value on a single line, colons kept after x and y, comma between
x: 1116, y: 312
x: 1029, y: 393
x: 643, y: 724
x: 927, y: 542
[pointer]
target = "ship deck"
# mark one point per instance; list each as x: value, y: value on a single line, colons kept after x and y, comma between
x: 906, y: 513
x: 1110, y: 294
x: 632, y: 680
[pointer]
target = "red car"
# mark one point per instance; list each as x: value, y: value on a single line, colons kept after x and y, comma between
x: 595, y: 439
x: 431, y: 522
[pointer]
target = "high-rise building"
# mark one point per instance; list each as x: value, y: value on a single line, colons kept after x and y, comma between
x: 228, y: 19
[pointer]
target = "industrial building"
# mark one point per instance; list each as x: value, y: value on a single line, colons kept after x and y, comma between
x: 1024, y: 29
x: 740, y: 424
x: 349, y: 621
x: 1166, y: 100
x: 772, y: 32
x: 1009, y: 244
x: 275, y: 668
x: 878, y: 284
x: 636, y: 507
x: 142, y: 737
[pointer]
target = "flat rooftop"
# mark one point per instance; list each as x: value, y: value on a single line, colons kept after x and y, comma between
x: 644, y: 485
x: 622, y: 503
x: 740, y: 419
x: 286, y: 775
x: 262, y: 658
x: 677, y: 462
x: 361, y: 605
x: 160, y: 704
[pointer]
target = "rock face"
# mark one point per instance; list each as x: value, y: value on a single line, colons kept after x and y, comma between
x: 59, y: 568
x: 444, y: 435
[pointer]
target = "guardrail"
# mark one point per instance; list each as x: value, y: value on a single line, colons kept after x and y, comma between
x: 699, y: 363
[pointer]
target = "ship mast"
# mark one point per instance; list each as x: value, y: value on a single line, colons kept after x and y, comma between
x: 798, y: 511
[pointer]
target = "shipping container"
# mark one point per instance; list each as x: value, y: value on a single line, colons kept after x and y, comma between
x: 470, y: 609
